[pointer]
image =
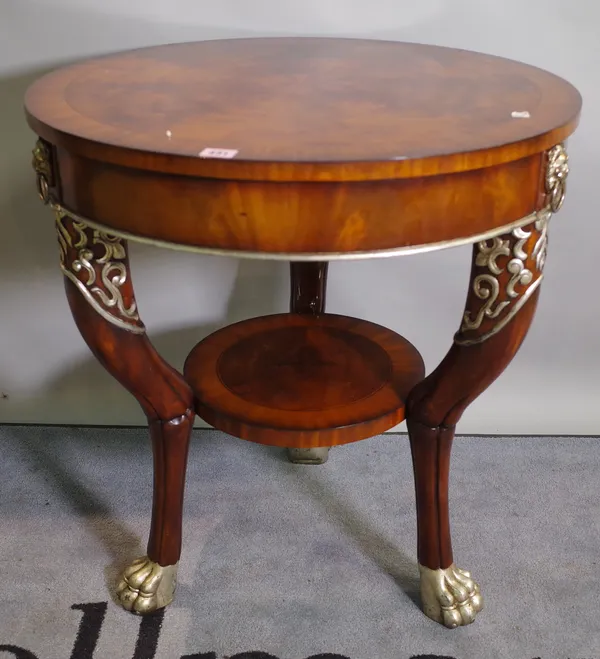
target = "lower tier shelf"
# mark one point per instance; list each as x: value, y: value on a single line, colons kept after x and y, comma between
x: 303, y: 381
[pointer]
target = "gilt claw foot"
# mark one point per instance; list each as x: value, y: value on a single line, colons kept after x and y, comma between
x: 308, y: 456
x: 146, y: 586
x: 450, y: 596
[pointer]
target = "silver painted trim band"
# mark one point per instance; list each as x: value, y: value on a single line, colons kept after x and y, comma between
x: 303, y: 256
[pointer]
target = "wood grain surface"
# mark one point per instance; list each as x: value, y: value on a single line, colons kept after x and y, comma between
x: 308, y: 287
x: 303, y: 381
x: 303, y: 109
x: 299, y: 219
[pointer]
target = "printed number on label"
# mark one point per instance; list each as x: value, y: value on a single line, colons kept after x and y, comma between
x: 218, y: 153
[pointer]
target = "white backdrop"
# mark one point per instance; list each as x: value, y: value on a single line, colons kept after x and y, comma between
x: 47, y: 374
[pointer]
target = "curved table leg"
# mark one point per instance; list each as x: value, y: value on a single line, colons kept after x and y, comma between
x: 308, y: 289
x: 100, y: 294
x: 505, y: 278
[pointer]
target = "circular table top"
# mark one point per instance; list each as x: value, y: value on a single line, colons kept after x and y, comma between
x: 303, y: 109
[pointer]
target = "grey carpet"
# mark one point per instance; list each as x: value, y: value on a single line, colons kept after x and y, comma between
x: 290, y: 562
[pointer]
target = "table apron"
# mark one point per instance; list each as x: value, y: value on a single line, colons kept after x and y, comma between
x: 301, y: 221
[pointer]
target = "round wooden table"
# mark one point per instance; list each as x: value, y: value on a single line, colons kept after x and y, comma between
x: 307, y: 150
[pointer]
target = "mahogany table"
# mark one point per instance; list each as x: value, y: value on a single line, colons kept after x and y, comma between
x: 307, y: 150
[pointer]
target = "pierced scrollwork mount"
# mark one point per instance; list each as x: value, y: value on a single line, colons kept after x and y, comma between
x: 509, y: 268
x: 95, y: 261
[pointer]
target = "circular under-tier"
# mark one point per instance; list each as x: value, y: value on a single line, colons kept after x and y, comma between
x: 303, y: 381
